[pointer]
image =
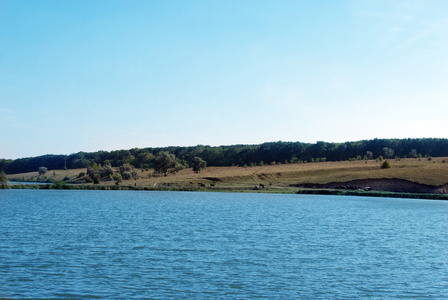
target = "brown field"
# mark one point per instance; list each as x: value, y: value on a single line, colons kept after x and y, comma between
x: 430, y: 172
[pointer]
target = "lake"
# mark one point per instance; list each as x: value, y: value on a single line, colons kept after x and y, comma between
x: 188, y: 245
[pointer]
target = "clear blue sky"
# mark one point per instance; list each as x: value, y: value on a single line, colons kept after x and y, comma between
x: 108, y: 75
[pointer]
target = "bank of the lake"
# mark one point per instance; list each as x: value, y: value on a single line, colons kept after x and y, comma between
x: 412, y: 178
x: 276, y: 190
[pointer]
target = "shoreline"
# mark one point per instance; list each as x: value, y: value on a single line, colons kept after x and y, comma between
x: 291, y: 190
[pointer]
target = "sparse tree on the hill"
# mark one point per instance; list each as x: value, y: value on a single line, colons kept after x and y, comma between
x: 165, y: 161
x: 42, y: 171
x: 198, y: 164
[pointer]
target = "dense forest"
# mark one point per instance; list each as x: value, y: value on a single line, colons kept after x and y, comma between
x: 249, y: 155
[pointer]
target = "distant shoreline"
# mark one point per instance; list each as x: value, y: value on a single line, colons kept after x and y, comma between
x: 301, y: 191
x: 407, y: 178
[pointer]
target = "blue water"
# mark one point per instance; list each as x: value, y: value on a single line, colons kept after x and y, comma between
x: 160, y: 245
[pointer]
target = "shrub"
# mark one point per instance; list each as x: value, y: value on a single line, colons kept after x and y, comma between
x: 3, y: 178
x: 126, y: 175
x: 66, y: 178
x: 117, y: 177
x: 59, y: 184
x: 96, y: 179
x: 386, y: 165
x: 106, y: 170
x: 81, y: 174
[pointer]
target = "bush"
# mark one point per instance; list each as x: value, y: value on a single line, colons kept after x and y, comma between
x: 126, y: 175
x: 3, y: 178
x: 96, y: 179
x: 106, y: 170
x: 81, y: 174
x: 386, y: 165
x: 59, y: 184
x: 125, y: 168
x: 117, y: 177
x: 92, y: 172
x: 66, y: 178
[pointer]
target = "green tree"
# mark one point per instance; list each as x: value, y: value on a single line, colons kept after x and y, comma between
x: 128, y: 172
x: 3, y: 178
x: 42, y: 171
x: 117, y: 177
x: 92, y: 172
x: 106, y: 170
x: 164, y: 161
x: 198, y: 164
x: 126, y: 175
x: 96, y: 179
x: 125, y: 168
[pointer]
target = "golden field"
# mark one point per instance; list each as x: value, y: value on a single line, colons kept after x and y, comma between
x: 424, y: 171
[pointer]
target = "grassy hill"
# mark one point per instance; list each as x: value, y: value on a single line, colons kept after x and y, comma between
x: 287, y: 177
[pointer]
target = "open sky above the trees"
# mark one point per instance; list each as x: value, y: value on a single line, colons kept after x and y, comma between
x: 106, y: 75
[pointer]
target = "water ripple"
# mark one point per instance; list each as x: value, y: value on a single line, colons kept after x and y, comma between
x: 94, y: 244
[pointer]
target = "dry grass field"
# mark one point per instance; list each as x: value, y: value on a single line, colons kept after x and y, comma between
x: 424, y: 171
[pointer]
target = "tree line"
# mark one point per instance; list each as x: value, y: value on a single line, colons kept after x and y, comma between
x: 237, y: 155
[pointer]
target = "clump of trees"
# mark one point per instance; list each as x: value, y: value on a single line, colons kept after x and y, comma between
x: 128, y: 172
x: 106, y: 171
x: 165, y: 161
x: 93, y: 174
